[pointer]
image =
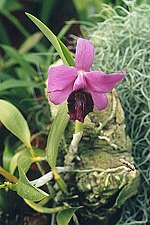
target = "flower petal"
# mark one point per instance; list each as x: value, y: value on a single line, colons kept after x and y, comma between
x: 100, y: 100
x: 60, y: 77
x: 80, y: 82
x: 58, y: 97
x: 80, y: 103
x: 98, y: 81
x: 84, y: 54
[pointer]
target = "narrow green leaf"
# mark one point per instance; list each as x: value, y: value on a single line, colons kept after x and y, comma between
x: 64, y: 54
x: 26, y: 190
x: 11, y: 5
x: 61, y: 34
x: 56, y: 133
x: 18, y: 58
x: 14, y: 83
x: 64, y: 217
x: 30, y: 42
x: 14, y: 121
x: 4, y: 75
x: 4, y: 38
x: 36, y: 59
x: 42, y: 209
x: 7, y: 155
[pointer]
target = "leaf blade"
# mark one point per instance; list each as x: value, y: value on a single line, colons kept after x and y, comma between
x: 18, y: 58
x: 64, y: 217
x: 26, y: 190
x: 42, y: 209
x: 10, y: 116
x: 14, y: 83
x: 56, y: 132
x: 54, y: 40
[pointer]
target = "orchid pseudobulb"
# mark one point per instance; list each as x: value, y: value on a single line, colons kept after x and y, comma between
x: 83, y: 89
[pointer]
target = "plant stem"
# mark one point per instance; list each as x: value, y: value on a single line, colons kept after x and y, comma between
x: 59, y: 180
x: 7, y: 175
x: 78, y: 127
x: 73, y: 148
x: 32, y: 151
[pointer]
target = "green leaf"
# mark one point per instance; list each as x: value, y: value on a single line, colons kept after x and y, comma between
x: 42, y: 209
x: 26, y: 154
x: 58, y: 45
x: 35, y: 59
x: 66, y: 53
x: 26, y: 190
x: 14, y: 121
x: 61, y: 34
x: 4, y: 38
x: 7, y: 155
x: 14, y: 83
x: 55, y: 134
x: 10, y: 5
x: 128, y: 190
x: 64, y: 217
x: 25, y: 162
x: 30, y: 42
x: 13, y: 162
x: 18, y: 58
x: 4, y: 76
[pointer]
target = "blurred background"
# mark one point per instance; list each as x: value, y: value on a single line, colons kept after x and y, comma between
x: 15, y: 27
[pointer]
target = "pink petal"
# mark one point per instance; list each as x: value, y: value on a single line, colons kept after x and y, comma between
x: 99, y: 82
x: 80, y: 82
x: 84, y: 54
x: 58, y: 97
x: 100, y: 100
x: 60, y: 77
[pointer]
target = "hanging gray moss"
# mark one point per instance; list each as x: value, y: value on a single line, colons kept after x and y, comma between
x: 122, y: 42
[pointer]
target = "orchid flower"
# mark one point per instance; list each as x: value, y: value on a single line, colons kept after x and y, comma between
x: 83, y: 89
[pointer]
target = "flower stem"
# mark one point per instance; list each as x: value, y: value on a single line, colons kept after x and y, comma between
x: 7, y: 175
x: 73, y: 148
x: 59, y: 180
x: 32, y: 151
x: 78, y: 126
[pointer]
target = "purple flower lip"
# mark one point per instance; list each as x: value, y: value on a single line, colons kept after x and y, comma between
x: 80, y: 103
x: 84, y: 89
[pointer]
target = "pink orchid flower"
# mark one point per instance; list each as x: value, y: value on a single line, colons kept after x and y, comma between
x: 83, y: 89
